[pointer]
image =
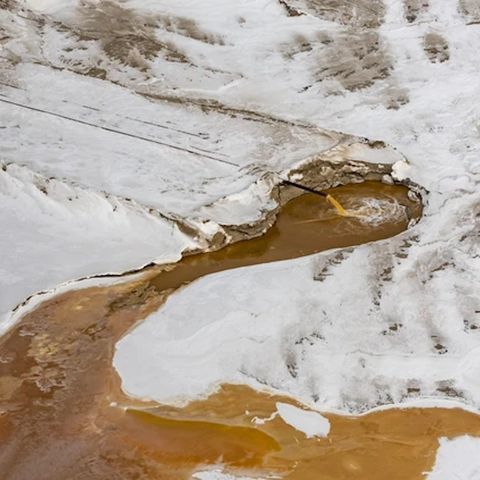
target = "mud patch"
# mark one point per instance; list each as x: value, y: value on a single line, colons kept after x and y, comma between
x: 436, y: 47
x: 395, y: 97
x: 359, y: 14
x: 412, y: 9
x: 299, y: 44
x: 107, y: 40
x: 354, y: 56
x: 188, y: 28
x: 291, y: 11
x: 322, y: 172
x: 356, y: 59
x: 471, y: 10
x: 8, y: 4
x: 123, y: 34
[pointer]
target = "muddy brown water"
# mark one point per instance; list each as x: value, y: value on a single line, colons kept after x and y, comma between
x: 63, y: 414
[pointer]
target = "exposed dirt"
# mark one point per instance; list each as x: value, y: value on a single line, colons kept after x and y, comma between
x: 291, y: 11
x: 323, y: 172
x: 436, y: 47
x: 395, y: 96
x: 359, y: 14
x: 107, y: 36
x: 299, y: 44
x: 355, y: 56
x: 60, y: 401
x: 124, y: 34
x: 188, y: 28
x: 7, y: 4
x: 471, y: 10
x: 414, y: 8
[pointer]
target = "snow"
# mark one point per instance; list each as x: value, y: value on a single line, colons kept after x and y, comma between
x: 57, y: 233
x: 220, y: 329
x: 312, y: 424
x: 365, y: 327
x: 219, y: 475
x: 140, y: 150
x: 457, y: 459
x: 359, y: 328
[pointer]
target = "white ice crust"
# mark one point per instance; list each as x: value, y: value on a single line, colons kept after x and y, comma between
x: 312, y: 424
x: 217, y: 474
x: 457, y: 459
x: 67, y: 233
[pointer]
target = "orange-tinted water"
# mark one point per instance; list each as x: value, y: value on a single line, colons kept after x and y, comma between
x: 64, y: 416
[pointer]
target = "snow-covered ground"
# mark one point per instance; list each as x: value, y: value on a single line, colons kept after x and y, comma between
x: 375, y: 325
x: 96, y: 170
x: 346, y: 330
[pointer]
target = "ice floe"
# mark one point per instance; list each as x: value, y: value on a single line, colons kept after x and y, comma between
x: 312, y: 424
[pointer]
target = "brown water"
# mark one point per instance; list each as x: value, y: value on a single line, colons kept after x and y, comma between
x: 63, y: 415
x: 306, y: 225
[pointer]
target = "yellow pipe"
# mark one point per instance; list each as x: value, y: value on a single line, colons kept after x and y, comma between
x: 338, y: 207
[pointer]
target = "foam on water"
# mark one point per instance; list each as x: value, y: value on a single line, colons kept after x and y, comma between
x: 375, y: 211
